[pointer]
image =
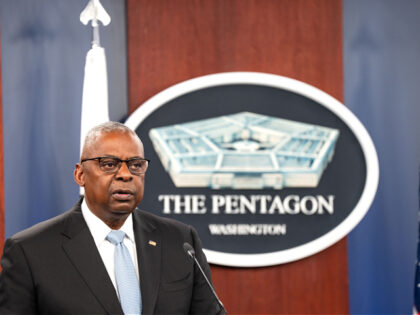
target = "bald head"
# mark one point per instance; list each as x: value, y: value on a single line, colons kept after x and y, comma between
x: 96, y: 132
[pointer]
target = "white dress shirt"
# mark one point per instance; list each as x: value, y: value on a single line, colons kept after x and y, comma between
x: 100, y: 230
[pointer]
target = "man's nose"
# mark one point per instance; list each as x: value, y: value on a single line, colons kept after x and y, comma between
x: 124, y: 173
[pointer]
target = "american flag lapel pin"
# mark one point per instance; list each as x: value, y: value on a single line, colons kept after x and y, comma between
x: 153, y: 243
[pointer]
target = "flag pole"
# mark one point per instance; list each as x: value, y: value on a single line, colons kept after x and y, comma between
x: 95, y: 84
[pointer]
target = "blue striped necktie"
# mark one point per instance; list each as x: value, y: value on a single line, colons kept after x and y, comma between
x: 125, y: 274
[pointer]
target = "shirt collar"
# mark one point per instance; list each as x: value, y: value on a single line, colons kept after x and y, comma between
x: 100, y: 230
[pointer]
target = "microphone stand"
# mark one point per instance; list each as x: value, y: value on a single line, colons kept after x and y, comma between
x: 191, y: 253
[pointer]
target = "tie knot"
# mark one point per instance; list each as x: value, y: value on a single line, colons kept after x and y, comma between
x: 115, y: 237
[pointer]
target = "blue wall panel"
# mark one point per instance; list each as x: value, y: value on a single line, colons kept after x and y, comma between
x: 43, y: 54
x: 382, y: 87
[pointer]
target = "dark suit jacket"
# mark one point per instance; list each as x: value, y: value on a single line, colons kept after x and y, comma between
x: 55, y: 268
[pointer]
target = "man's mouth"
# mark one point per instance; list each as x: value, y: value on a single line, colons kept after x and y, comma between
x: 123, y: 194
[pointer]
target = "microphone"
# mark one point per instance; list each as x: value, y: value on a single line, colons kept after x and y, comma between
x: 191, y: 253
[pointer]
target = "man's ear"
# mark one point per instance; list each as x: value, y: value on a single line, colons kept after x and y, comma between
x: 78, y: 175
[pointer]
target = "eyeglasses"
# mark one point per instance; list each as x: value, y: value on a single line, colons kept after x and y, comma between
x: 108, y: 164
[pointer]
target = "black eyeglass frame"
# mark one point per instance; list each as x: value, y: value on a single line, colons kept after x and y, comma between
x: 120, y: 161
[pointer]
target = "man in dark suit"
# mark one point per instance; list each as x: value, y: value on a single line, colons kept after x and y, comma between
x: 67, y: 265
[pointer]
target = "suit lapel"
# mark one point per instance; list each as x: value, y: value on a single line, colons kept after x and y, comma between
x: 148, y: 243
x: 81, y: 250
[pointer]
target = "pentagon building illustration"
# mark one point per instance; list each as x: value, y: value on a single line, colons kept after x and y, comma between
x: 244, y: 151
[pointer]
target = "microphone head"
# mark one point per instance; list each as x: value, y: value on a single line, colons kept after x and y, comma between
x: 189, y: 249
